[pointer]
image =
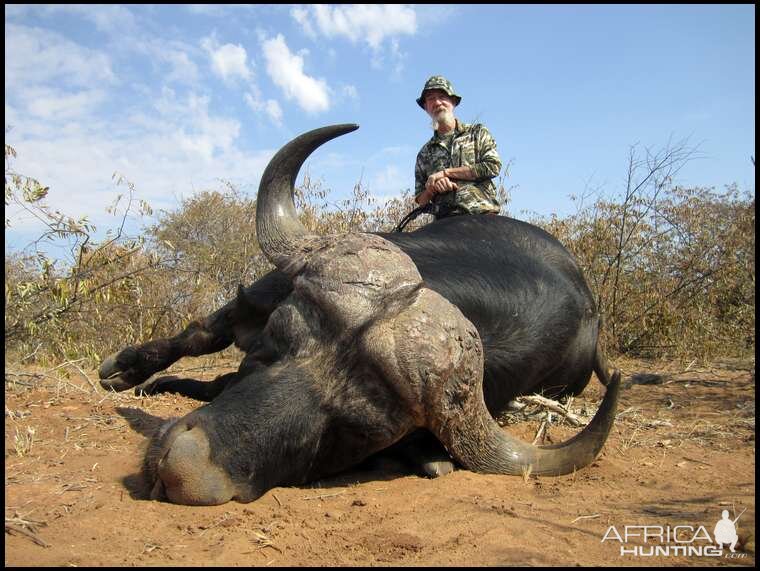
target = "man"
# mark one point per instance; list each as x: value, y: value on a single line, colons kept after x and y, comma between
x: 455, y: 167
x: 725, y: 532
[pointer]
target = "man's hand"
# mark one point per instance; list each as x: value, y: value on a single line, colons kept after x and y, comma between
x: 439, y: 182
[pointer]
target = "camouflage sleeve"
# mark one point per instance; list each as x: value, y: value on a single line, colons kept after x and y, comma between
x: 420, y: 178
x: 487, y: 163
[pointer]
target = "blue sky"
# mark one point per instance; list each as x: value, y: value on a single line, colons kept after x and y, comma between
x: 175, y: 98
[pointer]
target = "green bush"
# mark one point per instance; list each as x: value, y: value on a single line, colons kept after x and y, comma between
x: 672, y: 268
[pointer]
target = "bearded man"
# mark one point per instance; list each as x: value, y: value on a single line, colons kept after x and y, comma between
x: 455, y: 168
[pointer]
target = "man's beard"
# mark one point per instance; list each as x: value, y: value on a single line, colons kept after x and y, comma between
x: 444, y: 117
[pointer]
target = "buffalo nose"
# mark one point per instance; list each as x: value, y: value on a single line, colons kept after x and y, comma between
x: 186, y: 473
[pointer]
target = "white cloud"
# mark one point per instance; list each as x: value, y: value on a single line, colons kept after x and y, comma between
x: 182, y: 68
x: 195, y: 130
x: 220, y: 10
x: 274, y: 111
x: 271, y: 107
x: 108, y: 18
x: 205, y: 9
x: 228, y: 61
x: 301, y: 15
x: 286, y: 71
x: 35, y: 56
x: 53, y: 104
x: 177, y: 148
x: 431, y: 16
x: 169, y: 143
x: 398, y: 57
x: 387, y: 182
x: 371, y: 23
x: 398, y: 150
x: 350, y: 91
x: 48, y: 76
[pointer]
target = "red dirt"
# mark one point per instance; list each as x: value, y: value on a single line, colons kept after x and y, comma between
x: 682, y: 450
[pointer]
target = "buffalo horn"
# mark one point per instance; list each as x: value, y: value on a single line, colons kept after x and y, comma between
x: 475, y: 440
x: 280, y: 232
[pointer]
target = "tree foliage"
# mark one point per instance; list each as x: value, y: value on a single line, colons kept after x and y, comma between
x: 672, y: 268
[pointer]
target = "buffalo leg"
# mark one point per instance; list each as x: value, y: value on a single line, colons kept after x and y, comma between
x: 135, y: 364
x: 205, y: 391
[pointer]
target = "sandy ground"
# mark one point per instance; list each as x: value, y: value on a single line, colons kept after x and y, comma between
x: 681, y: 452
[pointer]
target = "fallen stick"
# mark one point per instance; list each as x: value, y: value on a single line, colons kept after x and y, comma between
x: 553, y: 406
x: 540, y: 432
x: 323, y: 496
x: 12, y: 528
x: 585, y: 517
x: 85, y: 376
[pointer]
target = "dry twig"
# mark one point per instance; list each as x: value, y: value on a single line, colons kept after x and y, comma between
x: 263, y: 541
x: 25, y: 527
x: 594, y: 516
x: 323, y: 496
x: 553, y: 406
x: 540, y: 432
x: 94, y: 388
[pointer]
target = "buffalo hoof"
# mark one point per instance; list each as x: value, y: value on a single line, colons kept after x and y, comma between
x: 156, y: 386
x: 117, y: 372
x: 436, y: 469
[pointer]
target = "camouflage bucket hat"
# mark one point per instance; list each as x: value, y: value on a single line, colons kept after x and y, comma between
x: 438, y: 82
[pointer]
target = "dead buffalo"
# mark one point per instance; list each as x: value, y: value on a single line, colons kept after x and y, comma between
x: 358, y: 342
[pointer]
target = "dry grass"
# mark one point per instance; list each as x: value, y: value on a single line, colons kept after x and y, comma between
x: 23, y: 441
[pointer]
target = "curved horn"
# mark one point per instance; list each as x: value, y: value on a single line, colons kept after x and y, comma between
x: 280, y: 233
x: 472, y: 436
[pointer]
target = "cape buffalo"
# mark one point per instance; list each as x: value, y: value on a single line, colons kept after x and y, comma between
x: 355, y: 342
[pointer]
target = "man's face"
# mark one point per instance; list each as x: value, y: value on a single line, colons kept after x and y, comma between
x: 437, y: 101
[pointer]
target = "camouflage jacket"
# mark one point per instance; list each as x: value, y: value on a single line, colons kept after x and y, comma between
x: 469, y: 145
